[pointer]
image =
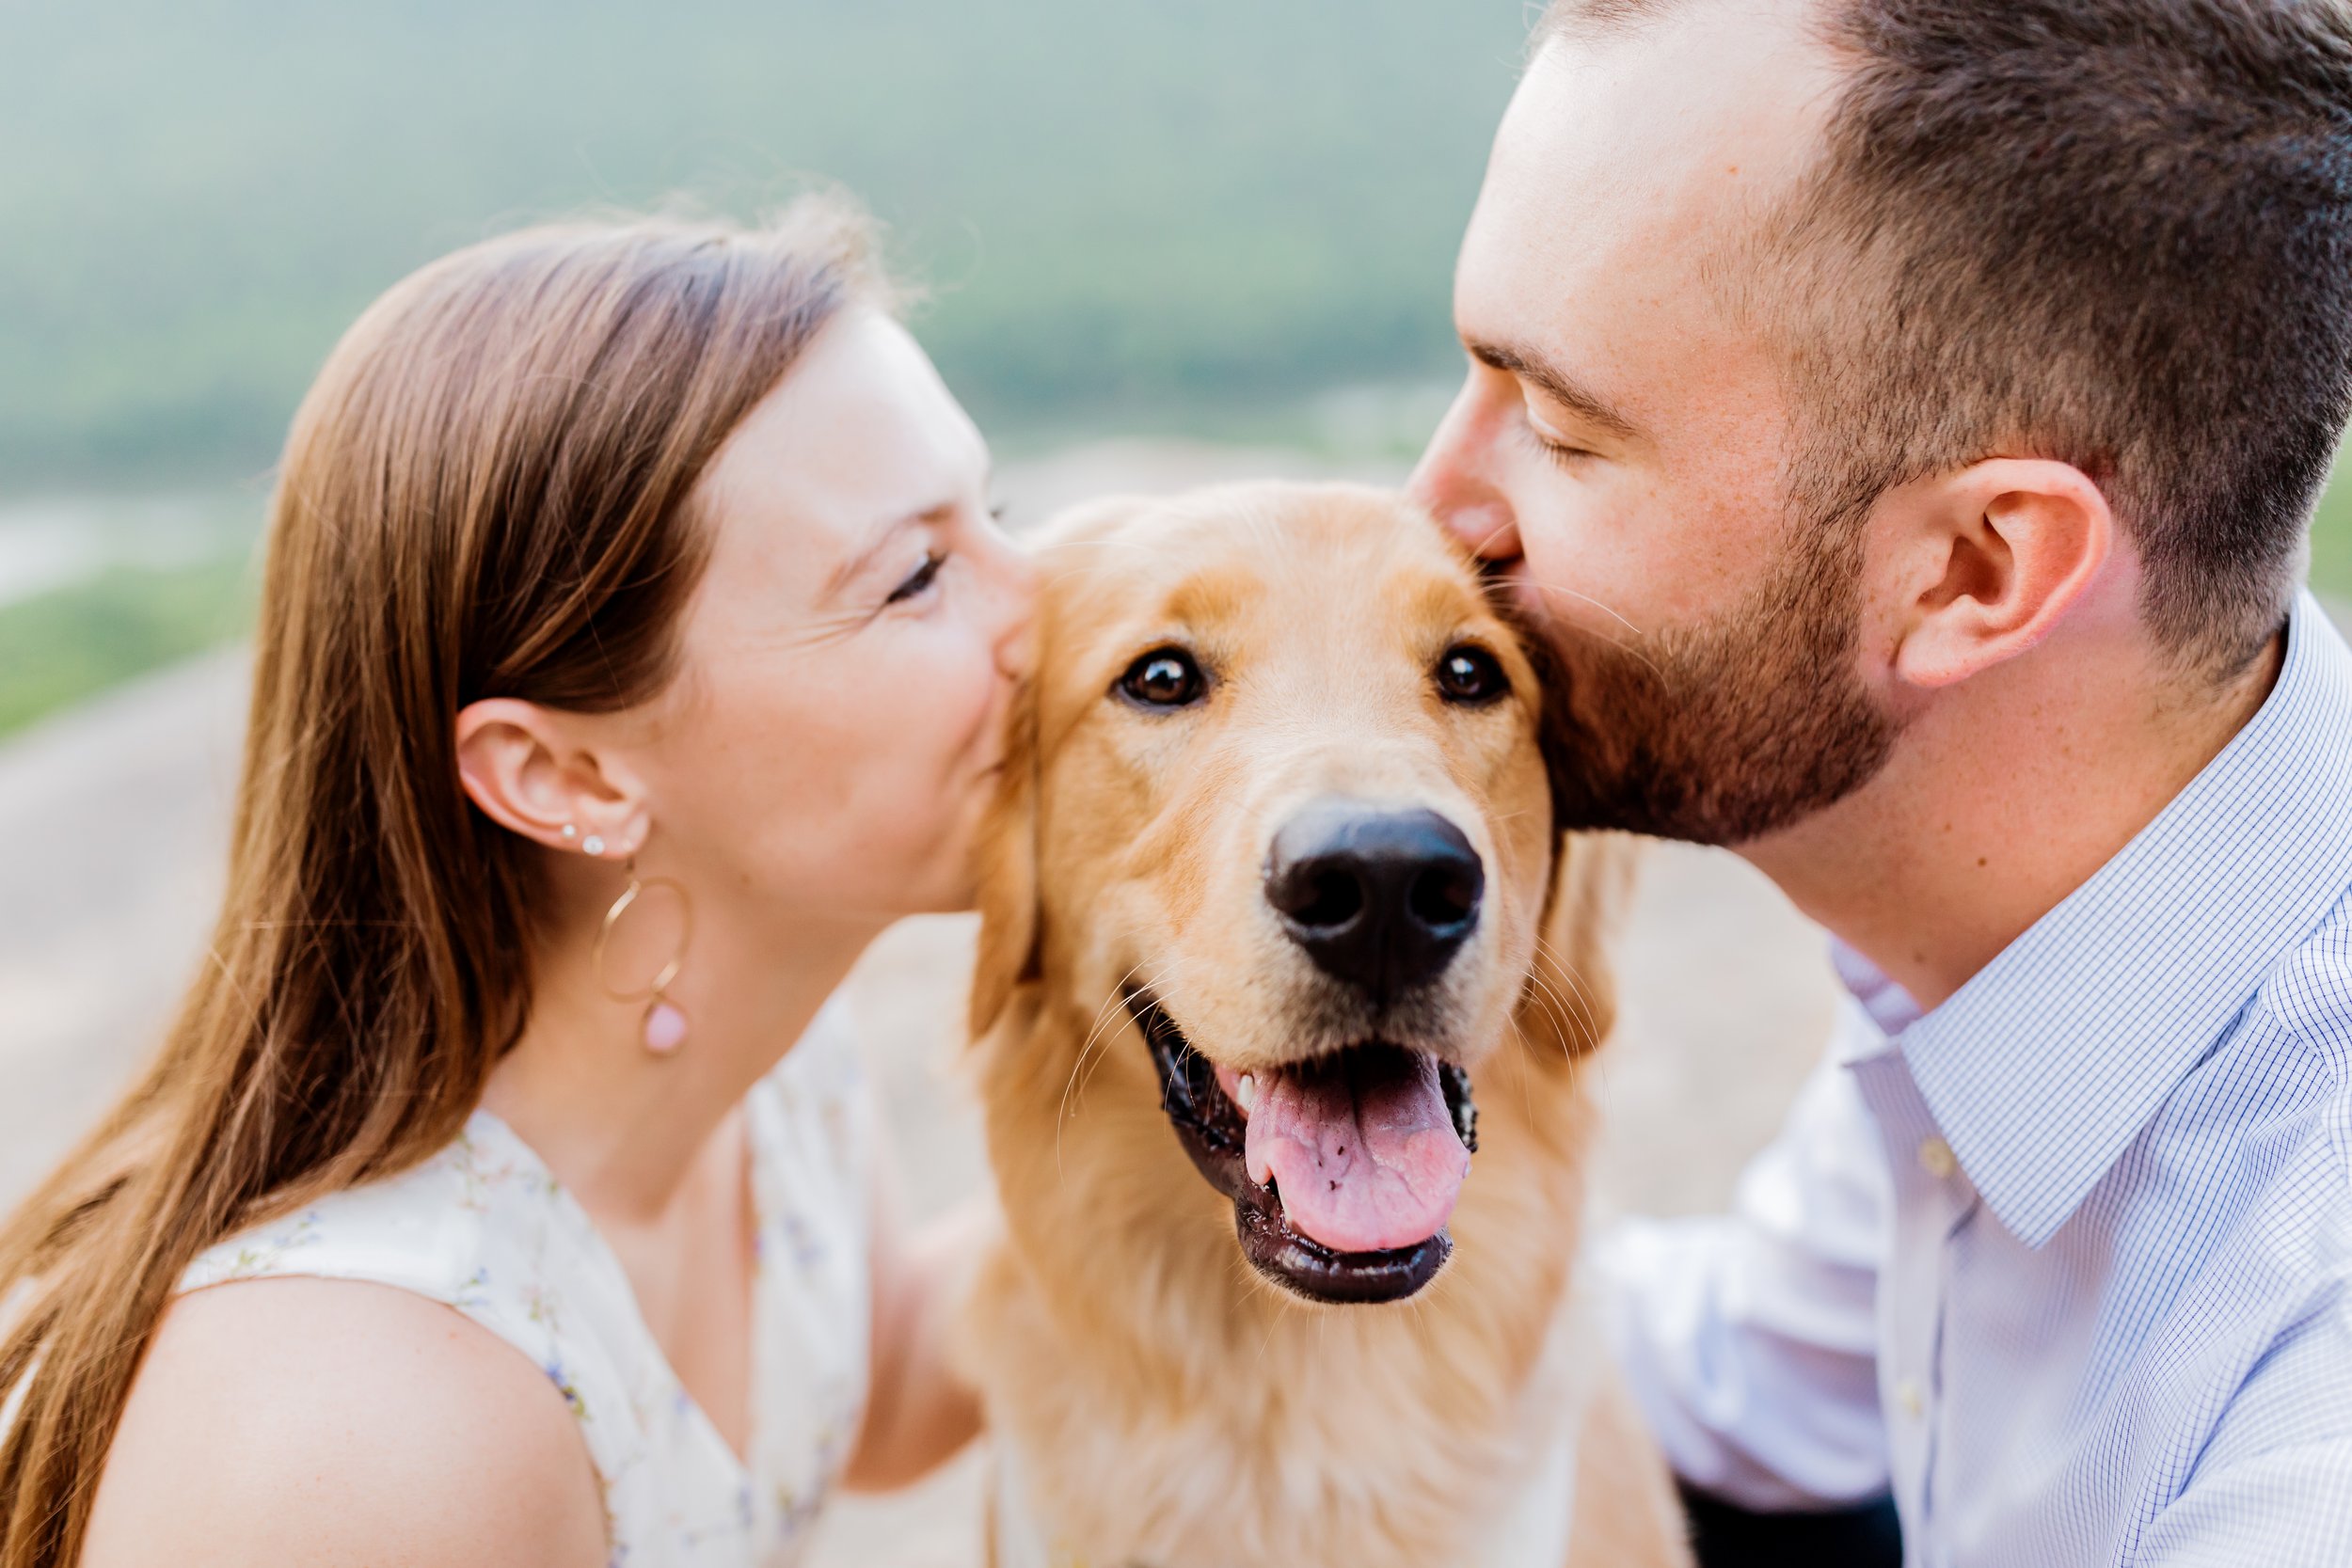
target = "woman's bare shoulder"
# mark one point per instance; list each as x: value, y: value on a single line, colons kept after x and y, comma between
x: 330, y: 1422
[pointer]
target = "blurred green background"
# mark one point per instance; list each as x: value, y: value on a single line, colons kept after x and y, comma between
x: 1139, y: 210
x: 1195, y: 216
x: 1190, y: 216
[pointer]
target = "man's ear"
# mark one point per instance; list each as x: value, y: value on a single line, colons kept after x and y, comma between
x: 1986, y: 562
x: 1008, y: 894
x: 1571, y: 999
x: 527, y: 770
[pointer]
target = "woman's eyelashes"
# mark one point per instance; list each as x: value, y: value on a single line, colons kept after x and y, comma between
x: 918, y: 581
x: 926, y: 574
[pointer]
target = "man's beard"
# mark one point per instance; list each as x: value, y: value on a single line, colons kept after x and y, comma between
x: 1725, y: 732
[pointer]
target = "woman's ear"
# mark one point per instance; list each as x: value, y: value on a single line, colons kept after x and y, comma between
x: 1009, y: 892
x: 1571, y: 999
x: 522, y: 765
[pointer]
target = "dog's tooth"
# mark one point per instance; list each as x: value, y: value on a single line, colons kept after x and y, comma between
x: 1247, y: 1089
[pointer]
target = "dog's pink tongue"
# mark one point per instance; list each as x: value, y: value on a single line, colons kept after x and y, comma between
x: 1363, y: 1151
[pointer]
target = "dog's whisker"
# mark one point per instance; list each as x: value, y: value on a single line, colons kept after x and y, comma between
x: 1527, y: 1096
x: 1105, y: 1021
x: 1549, y: 1001
x: 1587, y: 1017
x: 1157, y: 985
x: 1606, y: 609
x: 1566, y: 972
x: 1566, y: 1015
x: 1564, y: 1035
x: 1568, y: 1029
x: 1091, y: 1054
x: 1103, y: 1016
x: 1630, y: 648
x: 1589, y: 1007
x: 1478, y: 547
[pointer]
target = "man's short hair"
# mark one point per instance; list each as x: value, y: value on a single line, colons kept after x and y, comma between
x: 2115, y: 233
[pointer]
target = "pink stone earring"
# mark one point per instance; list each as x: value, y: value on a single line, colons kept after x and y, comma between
x: 664, y: 1023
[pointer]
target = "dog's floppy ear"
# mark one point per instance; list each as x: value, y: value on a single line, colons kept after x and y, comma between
x: 1011, y: 933
x: 1008, y: 911
x: 1572, y: 999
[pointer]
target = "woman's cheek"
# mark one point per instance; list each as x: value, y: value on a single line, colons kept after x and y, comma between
x: 961, y: 683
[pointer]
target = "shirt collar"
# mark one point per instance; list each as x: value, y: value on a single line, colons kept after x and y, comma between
x: 1889, y: 1007
x: 2043, y: 1068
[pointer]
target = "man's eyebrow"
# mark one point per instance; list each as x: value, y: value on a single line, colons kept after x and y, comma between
x: 1556, y: 385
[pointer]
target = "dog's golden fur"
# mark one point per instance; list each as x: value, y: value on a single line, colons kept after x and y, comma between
x: 1168, y: 1406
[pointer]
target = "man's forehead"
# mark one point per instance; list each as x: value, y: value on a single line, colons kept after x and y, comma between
x: 1628, y: 161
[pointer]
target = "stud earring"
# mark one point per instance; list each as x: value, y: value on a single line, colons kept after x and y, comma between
x: 592, y: 845
x: 663, y: 1026
x: 570, y: 832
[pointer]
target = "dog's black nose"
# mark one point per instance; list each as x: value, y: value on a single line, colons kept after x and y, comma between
x: 1380, y: 899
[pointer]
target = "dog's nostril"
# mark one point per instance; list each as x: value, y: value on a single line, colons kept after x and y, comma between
x: 1333, y: 898
x: 1446, y: 895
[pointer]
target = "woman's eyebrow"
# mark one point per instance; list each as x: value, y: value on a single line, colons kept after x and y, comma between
x: 1557, y: 384
x: 884, y: 534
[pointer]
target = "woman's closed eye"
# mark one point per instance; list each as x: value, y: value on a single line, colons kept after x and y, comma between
x: 918, y: 581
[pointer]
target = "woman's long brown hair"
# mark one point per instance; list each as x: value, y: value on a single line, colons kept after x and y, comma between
x: 485, y: 495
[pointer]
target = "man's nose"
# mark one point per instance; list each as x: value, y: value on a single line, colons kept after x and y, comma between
x: 1451, y: 481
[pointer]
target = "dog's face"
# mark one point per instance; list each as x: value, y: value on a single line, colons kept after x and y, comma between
x: 1286, y: 810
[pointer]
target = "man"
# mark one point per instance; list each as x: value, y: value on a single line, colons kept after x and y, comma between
x: 1903, y: 417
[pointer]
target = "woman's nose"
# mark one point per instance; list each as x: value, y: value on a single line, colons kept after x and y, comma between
x: 1015, y: 607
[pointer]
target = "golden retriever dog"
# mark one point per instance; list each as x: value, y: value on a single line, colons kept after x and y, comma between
x: 1285, y: 988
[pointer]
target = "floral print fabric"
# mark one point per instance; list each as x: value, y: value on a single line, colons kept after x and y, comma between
x: 484, y: 1228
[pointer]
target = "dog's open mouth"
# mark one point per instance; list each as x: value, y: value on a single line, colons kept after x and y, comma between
x: 1342, y: 1171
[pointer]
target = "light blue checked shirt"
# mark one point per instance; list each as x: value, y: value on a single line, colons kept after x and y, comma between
x: 2067, y: 1262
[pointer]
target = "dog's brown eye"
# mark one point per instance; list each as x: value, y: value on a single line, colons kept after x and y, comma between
x: 1167, y: 678
x: 1468, y: 675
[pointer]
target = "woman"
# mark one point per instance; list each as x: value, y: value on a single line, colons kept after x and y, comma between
x: 634, y: 646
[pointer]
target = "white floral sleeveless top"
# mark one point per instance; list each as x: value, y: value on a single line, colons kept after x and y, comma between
x: 483, y: 1227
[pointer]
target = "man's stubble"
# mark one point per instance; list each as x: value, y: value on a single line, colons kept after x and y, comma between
x: 1729, y: 731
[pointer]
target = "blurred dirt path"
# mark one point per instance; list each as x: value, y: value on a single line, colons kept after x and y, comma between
x: 113, y: 823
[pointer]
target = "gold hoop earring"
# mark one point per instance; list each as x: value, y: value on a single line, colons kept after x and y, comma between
x: 663, y: 1026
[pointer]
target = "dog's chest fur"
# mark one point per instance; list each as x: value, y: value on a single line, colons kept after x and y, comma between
x: 1344, y: 1486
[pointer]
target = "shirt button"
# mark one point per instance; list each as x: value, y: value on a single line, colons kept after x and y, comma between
x: 1937, y: 1159
x: 1914, y: 1401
